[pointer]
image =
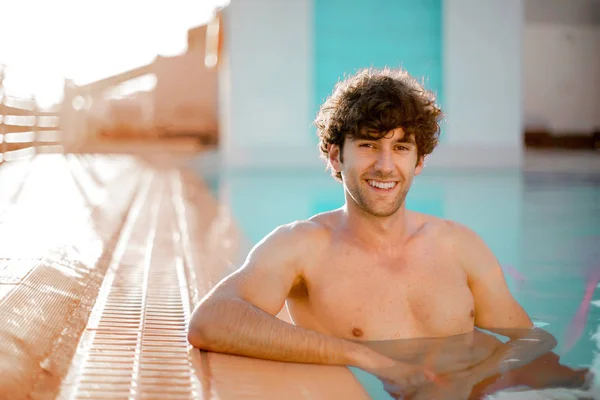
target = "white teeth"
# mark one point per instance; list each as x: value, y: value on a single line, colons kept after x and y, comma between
x: 382, y: 185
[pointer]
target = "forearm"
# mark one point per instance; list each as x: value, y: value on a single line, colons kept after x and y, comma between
x: 524, y: 347
x: 235, y: 326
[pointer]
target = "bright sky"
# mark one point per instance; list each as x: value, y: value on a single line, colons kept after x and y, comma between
x: 43, y: 42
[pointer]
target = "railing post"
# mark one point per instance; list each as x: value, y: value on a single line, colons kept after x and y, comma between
x: 2, y: 127
x: 2, y: 112
x: 35, y: 125
x: 67, y: 117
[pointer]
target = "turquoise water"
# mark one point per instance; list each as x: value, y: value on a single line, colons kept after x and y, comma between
x: 544, y: 226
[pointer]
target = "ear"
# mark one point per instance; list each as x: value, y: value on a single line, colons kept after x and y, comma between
x: 420, y: 165
x: 334, y: 157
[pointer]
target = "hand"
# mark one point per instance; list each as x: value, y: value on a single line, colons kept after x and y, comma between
x: 457, y: 386
x: 401, y: 379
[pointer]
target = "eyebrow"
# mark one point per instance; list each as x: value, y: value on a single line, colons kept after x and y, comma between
x: 405, y: 139
x: 410, y: 139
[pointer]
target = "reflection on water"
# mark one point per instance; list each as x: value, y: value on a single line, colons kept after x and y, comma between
x: 481, y: 363
x: 543, y: 228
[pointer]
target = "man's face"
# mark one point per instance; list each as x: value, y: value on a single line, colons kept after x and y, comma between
x: 377, y: 174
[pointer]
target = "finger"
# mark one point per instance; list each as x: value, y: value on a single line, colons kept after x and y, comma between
x: 429, y: 374
x: 417, y: 379
x: 433, y: 377
x: 394, y: 390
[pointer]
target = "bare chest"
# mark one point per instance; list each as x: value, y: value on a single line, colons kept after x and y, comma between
x: 358, y: 296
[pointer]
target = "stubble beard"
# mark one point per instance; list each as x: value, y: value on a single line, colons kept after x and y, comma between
x: 377, y: 208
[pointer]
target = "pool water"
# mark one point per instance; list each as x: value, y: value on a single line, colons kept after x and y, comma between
x: 543, y: 227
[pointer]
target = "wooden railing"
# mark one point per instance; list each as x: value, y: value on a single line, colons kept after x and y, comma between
x: 25, y: 130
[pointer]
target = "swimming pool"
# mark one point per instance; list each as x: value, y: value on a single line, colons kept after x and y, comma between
x: 543, y: 227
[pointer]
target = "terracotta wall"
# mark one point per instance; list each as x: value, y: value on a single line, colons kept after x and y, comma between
x: 186, y: 91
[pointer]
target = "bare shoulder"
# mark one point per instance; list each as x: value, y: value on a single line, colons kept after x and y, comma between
x: 437, y: 228
x: 291, y: 242
x: 462, y: 237
x: 469, y: 249
x: 463, y: 243
x: 449, y: 231
x: 328, y: 220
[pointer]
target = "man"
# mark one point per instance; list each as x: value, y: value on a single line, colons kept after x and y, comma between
x: 371, y: 270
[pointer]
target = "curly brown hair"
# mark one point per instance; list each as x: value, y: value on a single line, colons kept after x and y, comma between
x: 372, y: 103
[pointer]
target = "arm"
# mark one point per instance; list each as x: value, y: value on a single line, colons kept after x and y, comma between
x: 239, y: 315
x: 497, y: 311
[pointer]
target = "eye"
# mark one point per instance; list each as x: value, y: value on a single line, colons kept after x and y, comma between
x: 403, y: 148
x: 368, y: 145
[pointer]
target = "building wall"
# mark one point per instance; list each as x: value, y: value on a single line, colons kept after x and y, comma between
x: 283, y: 58
x: 350, y: 35
x: 186, y: 93
x: 561, y: 66
x: 266, y: 76
x: 482, y: 84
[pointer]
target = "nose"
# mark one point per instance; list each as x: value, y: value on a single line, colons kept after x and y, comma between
x: 384, y: 163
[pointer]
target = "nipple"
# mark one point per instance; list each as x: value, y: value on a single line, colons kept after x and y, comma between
x: 357, y: 332
x: 472, y: 313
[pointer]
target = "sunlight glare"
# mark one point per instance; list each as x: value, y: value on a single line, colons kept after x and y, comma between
x: 88, y: 41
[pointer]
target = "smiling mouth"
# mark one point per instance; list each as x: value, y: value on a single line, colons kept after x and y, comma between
x: 382, y: 185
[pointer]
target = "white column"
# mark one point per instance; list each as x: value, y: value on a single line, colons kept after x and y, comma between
x: 266, y: 84
x: 482, y: 84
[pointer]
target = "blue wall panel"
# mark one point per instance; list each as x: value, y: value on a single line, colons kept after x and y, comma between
x: 354, y: 34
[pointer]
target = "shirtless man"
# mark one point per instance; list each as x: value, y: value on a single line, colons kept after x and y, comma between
x: 371, y: 270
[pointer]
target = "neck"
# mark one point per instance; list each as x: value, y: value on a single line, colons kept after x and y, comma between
x: 381, y: 233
